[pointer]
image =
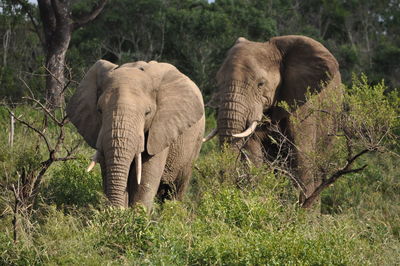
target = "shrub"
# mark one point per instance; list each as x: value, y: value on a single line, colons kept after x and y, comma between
x: 70, y: 184
x: 127, y: 232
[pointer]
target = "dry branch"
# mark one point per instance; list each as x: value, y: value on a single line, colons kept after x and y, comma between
x: 29, y: 181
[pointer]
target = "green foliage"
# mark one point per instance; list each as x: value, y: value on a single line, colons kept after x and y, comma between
x: 230, y: 226
x: 70, y: 184
x: 55, y: 238
x: 373, y: 121
x: 122, y: 232
x: 226, y: 226
x: 194, y: 35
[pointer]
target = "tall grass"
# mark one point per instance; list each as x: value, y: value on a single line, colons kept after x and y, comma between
x: 221, y: 221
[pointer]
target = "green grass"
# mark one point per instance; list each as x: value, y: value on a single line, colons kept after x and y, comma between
x: 230, y: 216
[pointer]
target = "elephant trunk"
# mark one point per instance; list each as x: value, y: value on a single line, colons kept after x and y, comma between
x: 233, y: 112
x: 122, y: 141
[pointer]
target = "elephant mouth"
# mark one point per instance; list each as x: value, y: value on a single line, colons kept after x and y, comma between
x: 247, y: 132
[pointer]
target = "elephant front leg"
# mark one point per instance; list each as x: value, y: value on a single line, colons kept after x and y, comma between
x: 152, y: 170
x: 253, y: 150
x: 305, y: 136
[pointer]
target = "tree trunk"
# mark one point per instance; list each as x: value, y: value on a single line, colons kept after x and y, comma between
x: 55, y: 80
x: 58, y: 26
x: 55, y: 66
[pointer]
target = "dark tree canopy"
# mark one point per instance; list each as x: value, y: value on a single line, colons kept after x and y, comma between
x: 192, y: 34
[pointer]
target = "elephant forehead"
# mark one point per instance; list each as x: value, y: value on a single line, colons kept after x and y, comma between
x: 253, y: 54
x: 123, y: 73
x: 137, y: 64
x: 128, y: 76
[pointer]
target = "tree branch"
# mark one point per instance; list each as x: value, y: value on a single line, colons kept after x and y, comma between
x: 308, y: 201
x: 47, y: 111
x: 48, y: 20
x: 332, y: 179
x: 80, y: 22
x: 43, y: 136
x: 61, y: 12
x: 27, y: 8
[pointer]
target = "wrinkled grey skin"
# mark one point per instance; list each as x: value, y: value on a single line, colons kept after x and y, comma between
x: 255, y: 77
x: 148, y: 108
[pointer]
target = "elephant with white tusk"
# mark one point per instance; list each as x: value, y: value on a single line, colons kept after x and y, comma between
x: 146, y: 122
x: 254, y: 78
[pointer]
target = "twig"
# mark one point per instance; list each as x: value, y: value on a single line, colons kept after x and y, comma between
x: 27, y: 8
x: 52, y: 75
x: 27, y: 86
x: 11, y: 137
x: 47, y: 111
x: 33, y: 128
x: 16, y: 211
x: 343, y: 171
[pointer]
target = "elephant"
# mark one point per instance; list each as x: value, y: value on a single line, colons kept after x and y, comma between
x: 254, y: 79
x: 146, y: 121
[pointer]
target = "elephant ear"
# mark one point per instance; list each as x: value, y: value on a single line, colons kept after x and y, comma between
x: 82, y: 107
x: 306, y: 64
x: 179, y: 106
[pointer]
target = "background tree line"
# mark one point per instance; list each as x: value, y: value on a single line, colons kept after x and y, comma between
x: 194, y: 35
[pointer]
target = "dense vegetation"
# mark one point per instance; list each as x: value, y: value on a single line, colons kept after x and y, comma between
x: 195, y: 35
x: 230, y: 215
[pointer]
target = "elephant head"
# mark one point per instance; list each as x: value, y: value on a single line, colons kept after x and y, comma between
x: 129, y: 110
x: 256, y: 76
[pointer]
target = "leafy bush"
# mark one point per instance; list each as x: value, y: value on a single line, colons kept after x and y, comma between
x: 122, y: 232
x: 70, y: 184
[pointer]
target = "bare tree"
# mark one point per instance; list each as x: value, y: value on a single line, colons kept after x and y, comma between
x: 29, y: 179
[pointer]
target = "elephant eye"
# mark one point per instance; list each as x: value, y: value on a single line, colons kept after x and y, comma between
x: 261, y: 83
x: 148, y: 111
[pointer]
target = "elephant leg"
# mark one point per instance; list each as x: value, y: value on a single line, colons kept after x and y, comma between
x: 178, y: 170
x: 254, y: 151
x: 175, y: 190
x: 103, y: 172
x: 152, y: 170
x: 304, y: 131
x: 183, y: 184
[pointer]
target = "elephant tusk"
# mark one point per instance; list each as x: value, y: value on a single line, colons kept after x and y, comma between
x: 95, y: 159
x: 138, y: 164
x: 90, y: 167
x: 212, y: 134
x: 247, y: 132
